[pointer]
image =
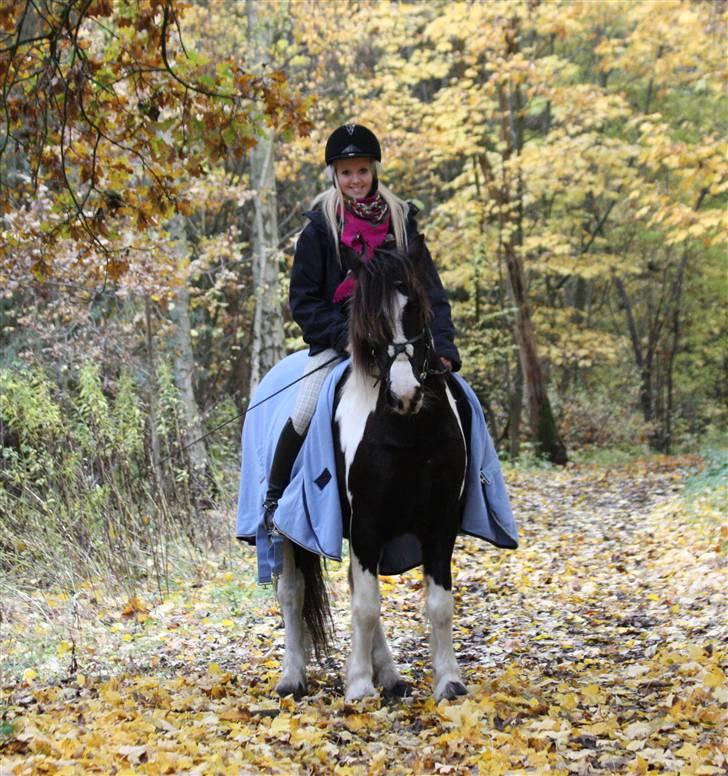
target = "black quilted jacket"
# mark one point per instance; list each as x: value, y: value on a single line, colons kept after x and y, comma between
x: 316, y: 275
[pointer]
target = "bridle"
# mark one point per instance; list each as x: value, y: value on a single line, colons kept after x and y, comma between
x: 382, y: 356
x: 406, y: 347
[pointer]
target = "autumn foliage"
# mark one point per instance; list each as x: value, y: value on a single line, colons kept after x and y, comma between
x: 569, y: 163
x: 108, y: 116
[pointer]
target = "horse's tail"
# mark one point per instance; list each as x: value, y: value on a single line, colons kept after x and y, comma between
x: 316, y: 609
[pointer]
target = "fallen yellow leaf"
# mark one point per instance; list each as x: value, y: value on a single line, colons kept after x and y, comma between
x: 638, y: 730
x: 281, y: 724
x: 593, y: 694
x: 715, y: 678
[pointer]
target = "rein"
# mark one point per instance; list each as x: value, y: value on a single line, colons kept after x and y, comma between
x: 337, y: 357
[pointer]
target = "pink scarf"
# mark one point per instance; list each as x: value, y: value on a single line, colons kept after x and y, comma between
x: 362, y: 235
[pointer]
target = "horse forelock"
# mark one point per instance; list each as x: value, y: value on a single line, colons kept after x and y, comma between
x: 373, y: 307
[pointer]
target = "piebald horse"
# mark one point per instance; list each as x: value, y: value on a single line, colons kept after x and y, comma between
x: 401, y: 463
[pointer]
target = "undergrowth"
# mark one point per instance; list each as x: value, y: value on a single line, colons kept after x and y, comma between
x: 79, y: 495
x: 713, y: 478
x: 80, y: 498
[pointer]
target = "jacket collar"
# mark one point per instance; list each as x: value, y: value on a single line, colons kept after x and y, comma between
x: 316, y: 217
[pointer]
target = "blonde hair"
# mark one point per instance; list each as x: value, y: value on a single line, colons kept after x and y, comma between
x: 331, y: 203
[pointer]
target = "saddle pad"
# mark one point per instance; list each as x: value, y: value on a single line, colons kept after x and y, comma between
x: 309, y: 512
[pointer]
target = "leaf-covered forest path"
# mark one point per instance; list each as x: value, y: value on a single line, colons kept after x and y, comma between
x: 597, y: 647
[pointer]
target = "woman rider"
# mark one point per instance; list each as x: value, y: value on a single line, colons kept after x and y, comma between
x: 360, y: 212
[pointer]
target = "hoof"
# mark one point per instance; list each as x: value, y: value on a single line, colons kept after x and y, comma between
x: 297, y: 689
x: 358, y: 690
x: 399, y: 689
x: 452, y: 690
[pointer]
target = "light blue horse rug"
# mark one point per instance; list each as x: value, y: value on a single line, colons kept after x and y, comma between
x: 309, y: 512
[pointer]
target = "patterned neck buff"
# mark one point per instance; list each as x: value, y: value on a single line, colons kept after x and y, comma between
x: 373, y: 208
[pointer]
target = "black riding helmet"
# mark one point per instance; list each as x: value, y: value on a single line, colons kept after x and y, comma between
x: 352, y: 140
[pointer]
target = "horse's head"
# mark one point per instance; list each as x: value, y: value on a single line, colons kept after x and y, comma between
x: 389, y: 318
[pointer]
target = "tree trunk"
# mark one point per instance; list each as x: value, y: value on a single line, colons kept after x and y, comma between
x: 184, y: 366
x: 13, y: 161
x: 543, y: 424
x: 644, y: 364
x: 268, y: 320
x: 515, y: 409
x: 153, y: 436
x: 672, y: 351
x: 541, y: 419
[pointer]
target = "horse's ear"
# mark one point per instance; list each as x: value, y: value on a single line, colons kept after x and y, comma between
x: 416, y: 248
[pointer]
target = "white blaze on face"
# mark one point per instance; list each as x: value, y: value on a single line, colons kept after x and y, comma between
x: 402, y: 381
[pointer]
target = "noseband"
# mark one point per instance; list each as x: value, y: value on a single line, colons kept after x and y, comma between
x: 395, y: 349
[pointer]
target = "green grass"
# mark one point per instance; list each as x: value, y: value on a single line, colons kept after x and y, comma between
x: 237, y: 595
x: 6, y: 730
x: 610, y: 456
x: 714, y: 477
x: 705, y: 497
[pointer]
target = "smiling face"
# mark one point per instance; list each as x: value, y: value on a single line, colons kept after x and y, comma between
x: 354, y: 176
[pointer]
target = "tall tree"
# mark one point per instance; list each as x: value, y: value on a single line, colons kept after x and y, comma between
x: 267, y: 347
x: 184, y: 364
x: 509, y: 197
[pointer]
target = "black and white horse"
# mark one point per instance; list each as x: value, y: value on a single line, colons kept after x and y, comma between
x: 401, y: 465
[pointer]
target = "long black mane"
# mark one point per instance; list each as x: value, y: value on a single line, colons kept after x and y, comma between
x: 371, y: 325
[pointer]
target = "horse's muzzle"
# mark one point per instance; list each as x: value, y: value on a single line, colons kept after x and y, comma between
x: 405, y: 404
x: 404, y: 389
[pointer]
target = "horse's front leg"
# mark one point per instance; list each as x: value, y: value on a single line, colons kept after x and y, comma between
x: 364, y: 621
x: 290, y: 597
x: 384, y: 671
x: 438, y: 579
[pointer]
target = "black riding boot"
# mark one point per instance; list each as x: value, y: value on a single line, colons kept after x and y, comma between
x: 289, y: 443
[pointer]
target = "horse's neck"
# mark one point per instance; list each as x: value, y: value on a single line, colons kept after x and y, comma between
x: 356, y: 402
x: 364, y: 382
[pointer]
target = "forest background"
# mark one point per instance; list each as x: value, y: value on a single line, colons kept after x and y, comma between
x: 568, y: 160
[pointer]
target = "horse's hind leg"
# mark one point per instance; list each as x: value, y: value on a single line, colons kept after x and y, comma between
x: 290, y: 597
x: 385, y: 671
